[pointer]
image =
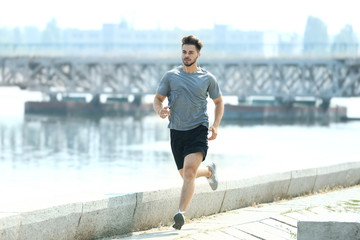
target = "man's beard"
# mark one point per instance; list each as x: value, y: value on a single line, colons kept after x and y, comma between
x: 189, y: 64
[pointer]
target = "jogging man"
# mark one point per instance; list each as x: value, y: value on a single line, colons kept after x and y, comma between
x: 187, y: 88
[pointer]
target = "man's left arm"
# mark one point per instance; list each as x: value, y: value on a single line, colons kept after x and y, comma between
x: 219, y: 111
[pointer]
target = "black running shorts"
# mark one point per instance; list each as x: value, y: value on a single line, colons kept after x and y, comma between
x: 184, y: 143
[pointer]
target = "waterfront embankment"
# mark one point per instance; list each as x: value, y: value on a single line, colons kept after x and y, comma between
x: 116, y: 215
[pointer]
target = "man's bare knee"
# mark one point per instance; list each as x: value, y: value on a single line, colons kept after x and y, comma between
x: 189, y: 173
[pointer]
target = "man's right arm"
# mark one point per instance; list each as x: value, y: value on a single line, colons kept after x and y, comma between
x: 163, y: 112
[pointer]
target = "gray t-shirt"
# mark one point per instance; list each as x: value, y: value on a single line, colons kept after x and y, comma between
x: 187, y: 94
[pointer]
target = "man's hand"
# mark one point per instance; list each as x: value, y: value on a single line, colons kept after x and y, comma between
x: 219, y: 111
x: 213, y: 131
x: 164, y: 112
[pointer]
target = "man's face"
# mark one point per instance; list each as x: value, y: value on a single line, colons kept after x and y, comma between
x: 189, y: 54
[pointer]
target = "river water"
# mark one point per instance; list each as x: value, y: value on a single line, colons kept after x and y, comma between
x: 51, y: 156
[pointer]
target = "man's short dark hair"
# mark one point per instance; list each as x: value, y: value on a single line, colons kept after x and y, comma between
x: 192, y: 40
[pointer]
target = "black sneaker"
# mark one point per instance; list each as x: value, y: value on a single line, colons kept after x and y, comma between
x: 179, y: 221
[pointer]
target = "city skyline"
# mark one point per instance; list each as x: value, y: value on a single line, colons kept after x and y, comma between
x: 283, y: 16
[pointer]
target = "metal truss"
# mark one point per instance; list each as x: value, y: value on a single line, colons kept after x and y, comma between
x: 284, y: 79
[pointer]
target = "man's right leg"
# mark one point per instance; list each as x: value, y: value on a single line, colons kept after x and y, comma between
x: 191, y: 165
x: 189, y: 174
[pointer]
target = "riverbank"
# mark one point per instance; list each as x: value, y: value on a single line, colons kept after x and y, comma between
x: 125, y: 213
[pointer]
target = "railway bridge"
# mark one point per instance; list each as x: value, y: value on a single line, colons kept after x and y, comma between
x: 283, y: 79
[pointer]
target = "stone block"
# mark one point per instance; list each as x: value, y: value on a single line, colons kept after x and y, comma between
x: 261, y: 189
x: 10, y: 227
x: 59, y: 222
x: 156, y: 208
x: 107, y: 217
x: 327, y: 230
x: 347, y: 174
x: 302, y: 182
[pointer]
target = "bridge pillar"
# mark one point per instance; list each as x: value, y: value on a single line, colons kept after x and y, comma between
x: 53, y: 97
x: 287, y: 102
x: 137, y: 99
x: 96, y: 99
x: 325, y: 103
x: 241, y: 99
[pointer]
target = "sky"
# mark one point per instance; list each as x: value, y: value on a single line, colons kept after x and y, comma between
x: 264, y: 15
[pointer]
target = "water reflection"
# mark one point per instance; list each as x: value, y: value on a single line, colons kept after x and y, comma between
x: 43, y: 155
x: 48, y: 140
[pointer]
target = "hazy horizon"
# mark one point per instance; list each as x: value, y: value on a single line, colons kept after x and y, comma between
x: 258, y: 15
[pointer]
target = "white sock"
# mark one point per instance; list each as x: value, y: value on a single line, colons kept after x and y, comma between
x: 181, y: 212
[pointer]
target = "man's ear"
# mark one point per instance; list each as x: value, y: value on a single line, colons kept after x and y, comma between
x: 199, y: 54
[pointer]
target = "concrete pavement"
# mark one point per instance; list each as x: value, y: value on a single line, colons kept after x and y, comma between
x: 273, y: 221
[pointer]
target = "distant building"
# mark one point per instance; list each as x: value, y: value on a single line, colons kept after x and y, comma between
x: 345, y: 42
x: 222, y: 41
x: 52, y: 33
x: 316, y: 39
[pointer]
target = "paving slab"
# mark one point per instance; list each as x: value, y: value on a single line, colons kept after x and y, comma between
x: 213, y: 236
x: 263, y: 231
x: 239, y: 234
x: 280, y: 226
x: 286, y: 220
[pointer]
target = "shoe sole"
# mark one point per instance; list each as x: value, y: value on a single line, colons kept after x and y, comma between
x: 179, y: 221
